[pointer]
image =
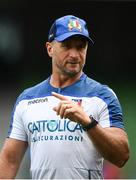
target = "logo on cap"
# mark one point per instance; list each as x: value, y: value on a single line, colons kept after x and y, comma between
x: 74, y: 24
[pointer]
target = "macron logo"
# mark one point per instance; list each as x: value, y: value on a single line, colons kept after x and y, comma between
x: 38, y: 101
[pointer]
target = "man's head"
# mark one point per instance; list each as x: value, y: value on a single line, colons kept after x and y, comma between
x: 68, y: 26
x: 67, y: 45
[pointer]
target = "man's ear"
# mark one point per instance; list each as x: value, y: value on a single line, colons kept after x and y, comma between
x: 49, y: 48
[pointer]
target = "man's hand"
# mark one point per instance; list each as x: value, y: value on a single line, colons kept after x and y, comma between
x: 70, y: 109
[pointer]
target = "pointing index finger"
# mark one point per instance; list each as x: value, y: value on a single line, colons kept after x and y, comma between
x: 59, y: 96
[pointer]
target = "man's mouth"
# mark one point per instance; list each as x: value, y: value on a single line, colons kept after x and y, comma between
x: 73, y: 62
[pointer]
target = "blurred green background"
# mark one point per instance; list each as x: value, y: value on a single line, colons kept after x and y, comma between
x: 24, y: 27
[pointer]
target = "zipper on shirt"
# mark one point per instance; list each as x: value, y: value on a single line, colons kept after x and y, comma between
x: 59, y: 90
x: 89, y: 174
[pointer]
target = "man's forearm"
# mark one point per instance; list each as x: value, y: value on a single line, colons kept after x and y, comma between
x: 10, y: 157
x: 112, y: 143
x: 8, y: 170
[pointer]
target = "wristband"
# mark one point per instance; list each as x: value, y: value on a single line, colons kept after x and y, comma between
x: 92, y: 124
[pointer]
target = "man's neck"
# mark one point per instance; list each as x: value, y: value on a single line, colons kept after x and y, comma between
x: 61, y: 81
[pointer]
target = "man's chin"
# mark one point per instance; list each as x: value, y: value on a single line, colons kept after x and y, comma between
x: 72, y: 73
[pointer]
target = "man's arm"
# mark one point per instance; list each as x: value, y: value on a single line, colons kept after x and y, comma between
x: 112, y: 143
x: 10, y: 157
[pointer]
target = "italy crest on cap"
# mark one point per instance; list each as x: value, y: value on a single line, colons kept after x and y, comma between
x: 74, y: 24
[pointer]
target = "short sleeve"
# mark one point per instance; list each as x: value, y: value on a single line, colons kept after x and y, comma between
x: 17, y: 129
x: 110, y: 114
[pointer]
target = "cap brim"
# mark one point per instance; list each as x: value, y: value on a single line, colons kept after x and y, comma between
x: 70, y: 34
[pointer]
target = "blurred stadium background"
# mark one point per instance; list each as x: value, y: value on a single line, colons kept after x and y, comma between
x: 24, y: 29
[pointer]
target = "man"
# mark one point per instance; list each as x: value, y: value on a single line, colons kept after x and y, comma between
x: 69, y: 121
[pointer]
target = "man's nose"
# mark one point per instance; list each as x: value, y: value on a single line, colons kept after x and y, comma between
x: 73, y: 52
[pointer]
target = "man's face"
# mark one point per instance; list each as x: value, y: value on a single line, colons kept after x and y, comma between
x: 68, y: 57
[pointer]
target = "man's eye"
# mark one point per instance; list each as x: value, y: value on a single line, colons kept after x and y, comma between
x: 77, y: 46
x: 81, y: 46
